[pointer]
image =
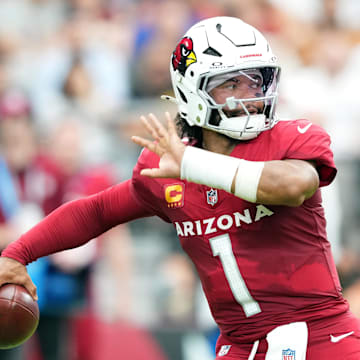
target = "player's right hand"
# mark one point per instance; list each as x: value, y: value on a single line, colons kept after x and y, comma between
x: 167, y: 145
x: 13, y: 272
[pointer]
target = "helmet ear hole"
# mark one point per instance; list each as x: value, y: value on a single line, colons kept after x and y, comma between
x: 182, y: 95
x: 215, y: 118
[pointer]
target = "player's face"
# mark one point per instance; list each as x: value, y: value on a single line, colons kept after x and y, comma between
x: 247, y: 86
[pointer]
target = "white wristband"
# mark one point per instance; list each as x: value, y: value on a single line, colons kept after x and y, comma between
x: 247, y: 179
x: 208, y: 168
x: 218, y: 171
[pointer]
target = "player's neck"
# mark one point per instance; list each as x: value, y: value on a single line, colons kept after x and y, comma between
x: 218, y: 143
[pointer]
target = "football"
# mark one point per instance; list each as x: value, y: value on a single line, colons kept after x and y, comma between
x: 19, y: 315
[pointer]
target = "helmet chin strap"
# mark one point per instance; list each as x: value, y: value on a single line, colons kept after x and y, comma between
x: 241, y: 127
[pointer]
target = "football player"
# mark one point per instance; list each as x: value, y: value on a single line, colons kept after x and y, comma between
x: 242, y: 191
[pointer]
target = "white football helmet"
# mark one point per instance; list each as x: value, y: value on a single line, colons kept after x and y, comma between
x: 211, y: 52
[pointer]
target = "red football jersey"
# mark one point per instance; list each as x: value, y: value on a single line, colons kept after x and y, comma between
x: 260, y: 265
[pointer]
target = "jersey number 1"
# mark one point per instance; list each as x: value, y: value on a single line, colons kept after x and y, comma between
x: 221, y: 246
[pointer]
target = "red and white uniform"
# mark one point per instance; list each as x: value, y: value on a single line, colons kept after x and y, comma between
x: 281, y: 252
x: 261, y: 266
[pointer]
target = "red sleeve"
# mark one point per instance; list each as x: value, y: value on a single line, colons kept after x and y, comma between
x: 147, y: 190
x: 77, y: 222
x: 307, y: 141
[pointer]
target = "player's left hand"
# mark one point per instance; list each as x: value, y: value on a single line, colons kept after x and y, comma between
x: 166, y: 144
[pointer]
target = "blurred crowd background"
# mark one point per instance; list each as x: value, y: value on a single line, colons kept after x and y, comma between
x: 75, y: 75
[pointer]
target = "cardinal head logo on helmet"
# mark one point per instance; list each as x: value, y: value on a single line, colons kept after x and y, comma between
x: 183, y: 56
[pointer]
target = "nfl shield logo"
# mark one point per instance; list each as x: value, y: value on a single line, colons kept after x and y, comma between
x: 212, y: 197
x: 288, y: 354
x: 224, y: 350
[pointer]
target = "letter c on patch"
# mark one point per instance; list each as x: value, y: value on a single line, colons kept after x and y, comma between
x: 174, y: 195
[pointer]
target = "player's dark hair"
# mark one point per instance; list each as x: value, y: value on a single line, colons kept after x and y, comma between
x: 194, y: 133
